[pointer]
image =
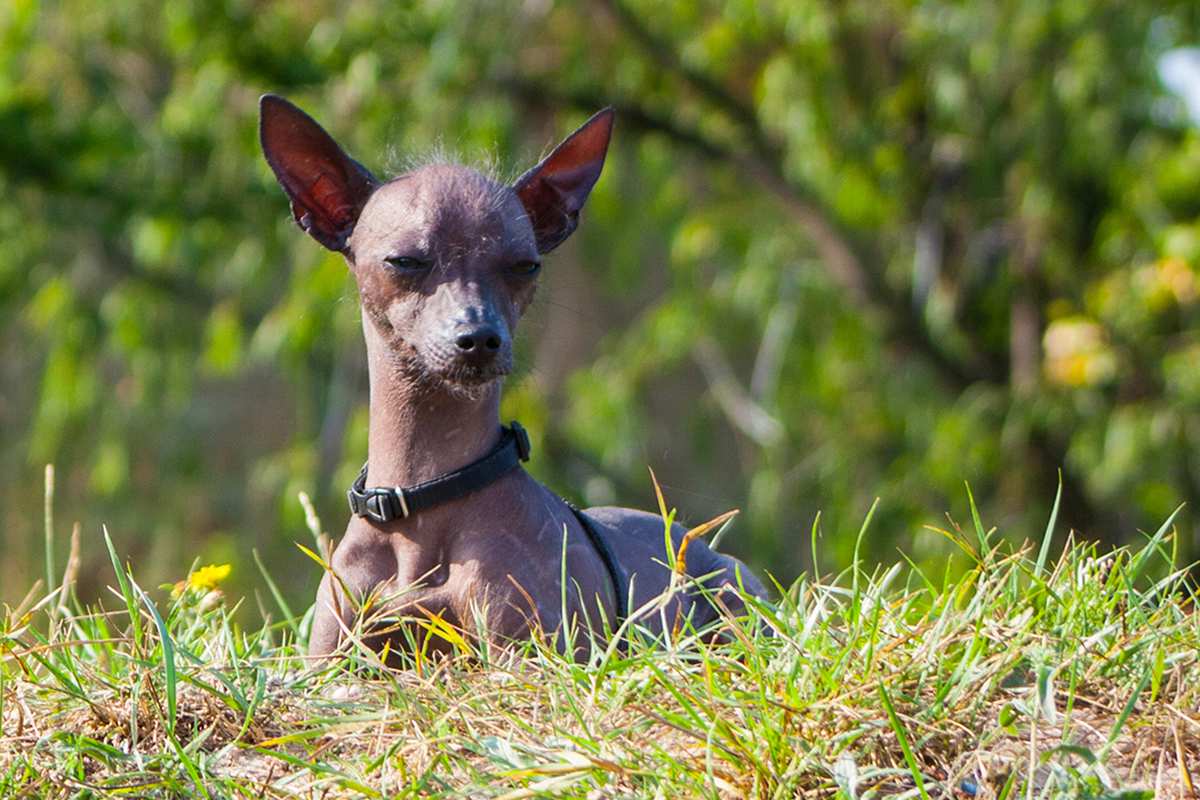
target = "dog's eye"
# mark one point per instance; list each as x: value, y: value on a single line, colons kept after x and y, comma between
x: 525, y: 268
x: 408, y: 263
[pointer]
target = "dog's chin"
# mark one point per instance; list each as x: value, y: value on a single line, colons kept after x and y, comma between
x: 472, y: 385
x: 468, y: 382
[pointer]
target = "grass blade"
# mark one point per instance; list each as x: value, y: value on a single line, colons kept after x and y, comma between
x: 1044, y: 552
x: 902, y: 737
x: 168, y: 658
x: 48, y: 518
x: 288, y: 617
x: 135, y: 620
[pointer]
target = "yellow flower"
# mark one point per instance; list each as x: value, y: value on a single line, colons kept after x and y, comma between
x: 1177, y: 277
x: 1077, y: 353
x: 208, y: 577
x: 1165, y: 282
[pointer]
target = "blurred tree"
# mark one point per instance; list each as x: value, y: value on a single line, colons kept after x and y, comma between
x: 842, y: 250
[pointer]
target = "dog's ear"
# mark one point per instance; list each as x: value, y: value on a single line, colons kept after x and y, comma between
x: 328, y: 189
x: 554, y: 191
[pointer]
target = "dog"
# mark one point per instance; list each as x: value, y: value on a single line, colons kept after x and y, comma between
x: 447, y: 528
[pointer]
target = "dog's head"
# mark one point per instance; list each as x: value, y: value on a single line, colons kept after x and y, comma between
x: 446, y: 259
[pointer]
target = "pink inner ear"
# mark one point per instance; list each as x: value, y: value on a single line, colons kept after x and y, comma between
x: 572, y: 185
x: 327, y: 188
x: 322, y: 187
x: 329, y: 194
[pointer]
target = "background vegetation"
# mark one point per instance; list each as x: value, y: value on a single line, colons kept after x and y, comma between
x: 840, y: 251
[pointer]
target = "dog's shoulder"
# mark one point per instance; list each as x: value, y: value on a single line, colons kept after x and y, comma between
x: 632, y: 523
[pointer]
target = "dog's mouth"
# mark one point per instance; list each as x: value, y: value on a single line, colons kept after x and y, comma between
x: 454, y: 376
x: 469, y: 382
x: 467, y: 375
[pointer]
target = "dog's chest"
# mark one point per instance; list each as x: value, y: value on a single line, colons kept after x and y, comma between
x: 508, y: 573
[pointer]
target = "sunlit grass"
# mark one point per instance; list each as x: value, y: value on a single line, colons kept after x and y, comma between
x: 1030, y: 676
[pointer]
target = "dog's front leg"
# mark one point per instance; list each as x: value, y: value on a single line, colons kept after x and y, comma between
x: 333, y: 613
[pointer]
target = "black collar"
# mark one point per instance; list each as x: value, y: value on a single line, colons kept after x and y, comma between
x: 386, y: 503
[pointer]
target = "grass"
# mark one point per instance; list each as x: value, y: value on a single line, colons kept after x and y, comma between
x: 1029, y: 676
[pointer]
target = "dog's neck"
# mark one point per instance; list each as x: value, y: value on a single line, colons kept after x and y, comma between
x: 420, y: 429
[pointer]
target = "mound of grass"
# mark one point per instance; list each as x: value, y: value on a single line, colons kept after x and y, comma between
x: 1026, y: 677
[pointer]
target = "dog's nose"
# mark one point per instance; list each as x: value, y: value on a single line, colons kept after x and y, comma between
x: 480, y: 338
x: 479, y: 343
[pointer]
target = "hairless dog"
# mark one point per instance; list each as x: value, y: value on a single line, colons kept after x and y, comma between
x: 447, y: 528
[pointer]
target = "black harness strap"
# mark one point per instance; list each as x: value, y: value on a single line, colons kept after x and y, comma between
x: 386, y: 503
x: 620, y: 585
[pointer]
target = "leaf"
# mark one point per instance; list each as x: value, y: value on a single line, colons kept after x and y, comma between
x: 699, y: 530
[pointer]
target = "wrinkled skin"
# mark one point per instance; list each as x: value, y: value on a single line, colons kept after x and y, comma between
x: 446, y: 262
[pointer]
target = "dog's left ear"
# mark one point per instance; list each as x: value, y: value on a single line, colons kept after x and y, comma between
x: 554, y: 191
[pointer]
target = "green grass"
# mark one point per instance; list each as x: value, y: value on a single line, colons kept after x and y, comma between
x: 1028, y: 676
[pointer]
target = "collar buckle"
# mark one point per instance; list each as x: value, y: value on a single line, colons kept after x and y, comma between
x: 378, y: 504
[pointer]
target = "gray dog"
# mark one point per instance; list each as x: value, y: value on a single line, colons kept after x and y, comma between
x: 446, y: 524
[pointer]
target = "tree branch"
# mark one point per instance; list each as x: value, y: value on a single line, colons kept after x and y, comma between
x: 777, y: 333
x: 663, y: 51
x: 742, y: 411
x: 852, y: 264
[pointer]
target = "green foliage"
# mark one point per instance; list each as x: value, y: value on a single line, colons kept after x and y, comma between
x: 840, y: 250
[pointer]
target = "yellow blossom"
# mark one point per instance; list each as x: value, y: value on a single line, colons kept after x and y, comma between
x: 1077, y: 353
x: 208, y: 577
x: 1177, y: 277
x: 1165, y: 282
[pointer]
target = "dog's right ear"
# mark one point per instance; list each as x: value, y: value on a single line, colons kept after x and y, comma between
x: 328, y: 188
